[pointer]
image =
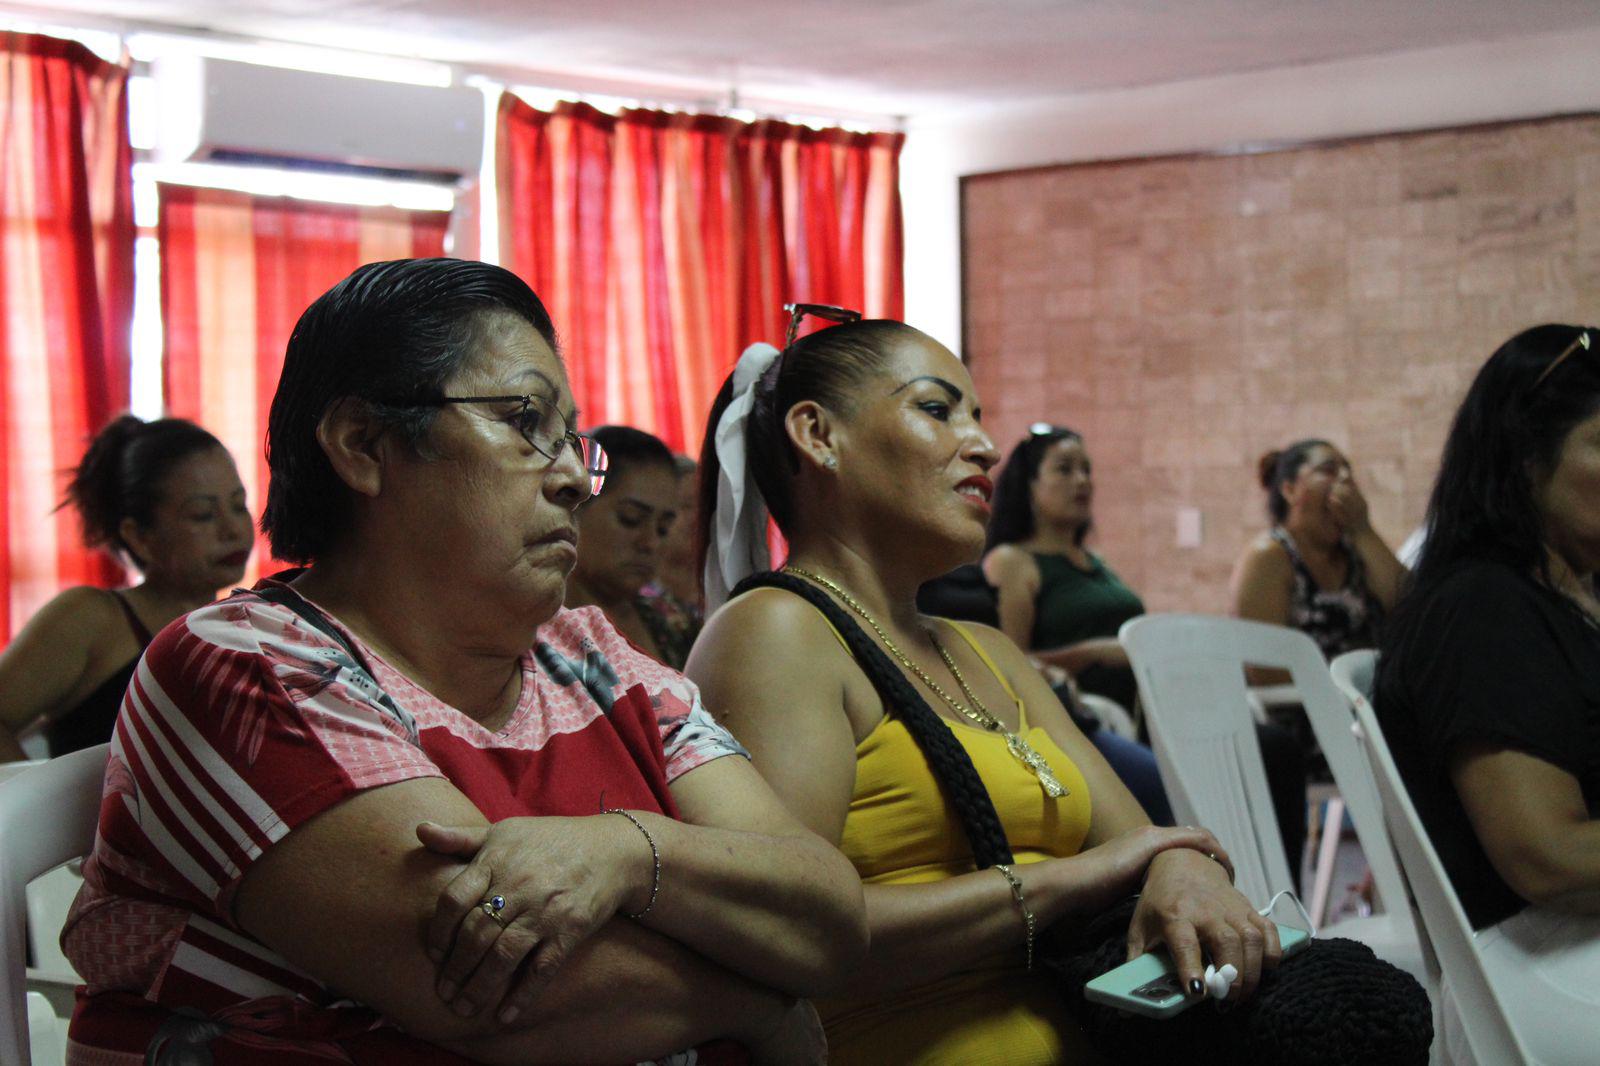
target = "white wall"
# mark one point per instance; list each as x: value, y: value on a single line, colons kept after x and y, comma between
x: 1526, y: 78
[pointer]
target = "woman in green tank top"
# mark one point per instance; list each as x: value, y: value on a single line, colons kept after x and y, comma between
x: 1062, y: 604
x: 1058, y: 599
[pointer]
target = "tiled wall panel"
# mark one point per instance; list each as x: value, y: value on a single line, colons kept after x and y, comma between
x: 1188, y: 314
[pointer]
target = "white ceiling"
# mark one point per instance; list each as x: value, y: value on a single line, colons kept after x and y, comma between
x: 908, y: 57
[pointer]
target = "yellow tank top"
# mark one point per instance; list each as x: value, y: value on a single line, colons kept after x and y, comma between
x: 900, y: 830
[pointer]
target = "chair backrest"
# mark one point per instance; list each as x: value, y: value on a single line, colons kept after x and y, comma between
x: 1331, y: 709
x: 1449, y: 936
x: 1356, y: 674
x: 48, y: 815
x: 8, y: 770
x: 1190, y: 672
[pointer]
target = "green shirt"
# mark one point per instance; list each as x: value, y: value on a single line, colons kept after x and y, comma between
x: 1075, y: 605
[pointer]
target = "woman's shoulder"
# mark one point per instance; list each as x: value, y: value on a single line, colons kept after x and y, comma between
x: 770, y: 633
x: 766, y: 614
x: 1265, y: 553
x: 83, y: 610
x: 1487, y: 588
x: 1006, y: 563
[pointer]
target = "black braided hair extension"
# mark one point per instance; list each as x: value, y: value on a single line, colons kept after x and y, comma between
x: 951, y: 764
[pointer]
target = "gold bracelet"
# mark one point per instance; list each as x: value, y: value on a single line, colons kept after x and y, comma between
x: 1028, y: 922
x: 655, y: 857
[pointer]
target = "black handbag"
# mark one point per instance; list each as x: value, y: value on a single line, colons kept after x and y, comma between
x: 1333, y: 1002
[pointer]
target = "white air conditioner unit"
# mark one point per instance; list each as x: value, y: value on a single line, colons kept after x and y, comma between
x: 222, y: 111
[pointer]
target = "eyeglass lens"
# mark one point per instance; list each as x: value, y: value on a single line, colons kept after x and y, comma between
x: 595, y: 461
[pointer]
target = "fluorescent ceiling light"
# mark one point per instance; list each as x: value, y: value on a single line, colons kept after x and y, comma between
x: 302, y: 185
x: 317, y: 60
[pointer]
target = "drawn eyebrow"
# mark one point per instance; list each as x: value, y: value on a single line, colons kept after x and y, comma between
x: 955, y: 393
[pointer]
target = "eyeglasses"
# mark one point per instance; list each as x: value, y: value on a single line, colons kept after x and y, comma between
x: 827, y: 311
x: 546, y: 432
x: 1580, y: 341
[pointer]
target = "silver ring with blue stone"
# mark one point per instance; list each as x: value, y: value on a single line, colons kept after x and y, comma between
x: 492, y: 907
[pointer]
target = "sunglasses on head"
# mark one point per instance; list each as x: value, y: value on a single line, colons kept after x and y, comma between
x: 1580, y: 341
x: 826, y: 311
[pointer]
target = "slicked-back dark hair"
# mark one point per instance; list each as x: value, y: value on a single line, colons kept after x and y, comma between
x: 1507, y: 434
x: 1012, y: 519
x: 628, y: 449
x: 826, y: 367
x: 389, y: 335
x: 1276, y: 467
x: 123, y: 474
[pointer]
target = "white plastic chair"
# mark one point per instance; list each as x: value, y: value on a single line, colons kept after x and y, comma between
x: 1480, y: 993
x: 48, y: 815
x: 45, y: 1040
x: 8, y: 770
x: 1190, y: 671
x: 1394, y: 934
x: 50, y: 897
x: 1192, y: 686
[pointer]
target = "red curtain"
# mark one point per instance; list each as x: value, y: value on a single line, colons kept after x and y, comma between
x: 236, y: 272
x: 66, y: 298
x: 664, y: 243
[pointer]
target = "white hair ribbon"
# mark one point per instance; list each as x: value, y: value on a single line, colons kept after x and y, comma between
x: 739, y: 528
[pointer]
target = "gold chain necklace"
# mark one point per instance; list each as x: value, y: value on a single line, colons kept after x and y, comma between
x: 1020, y: 749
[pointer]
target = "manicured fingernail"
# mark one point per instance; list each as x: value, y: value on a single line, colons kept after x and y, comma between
x: 509, y: 1015
x: 464, y: 1007
x: 447, y: 990
x: 1195, y: 987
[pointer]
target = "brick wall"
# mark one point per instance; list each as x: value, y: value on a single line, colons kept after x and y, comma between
x: 1188, y: 314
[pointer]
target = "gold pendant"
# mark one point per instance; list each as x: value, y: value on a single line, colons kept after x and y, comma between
x: 1034, y: 761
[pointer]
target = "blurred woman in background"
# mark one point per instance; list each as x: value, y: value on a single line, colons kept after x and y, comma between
x: 164, y: 497
x: 1321, y: 568
x: 622, y: 534
x: 1064, y: 605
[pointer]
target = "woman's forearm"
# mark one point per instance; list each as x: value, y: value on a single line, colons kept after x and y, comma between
x: 1385, y: 572
x: 782, y: 910
x: 923, y: 932
x: 1076, y: 658
x: 630, y: 995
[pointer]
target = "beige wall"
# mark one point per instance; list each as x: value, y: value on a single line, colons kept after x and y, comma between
x: 1187, y: 314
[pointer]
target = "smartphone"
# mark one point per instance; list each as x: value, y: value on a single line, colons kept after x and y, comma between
x: 1149, y: 984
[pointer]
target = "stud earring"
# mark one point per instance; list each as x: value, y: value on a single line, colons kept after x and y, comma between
x: 831, y: 462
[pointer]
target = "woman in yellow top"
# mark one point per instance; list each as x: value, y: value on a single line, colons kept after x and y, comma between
x: 863, y: 440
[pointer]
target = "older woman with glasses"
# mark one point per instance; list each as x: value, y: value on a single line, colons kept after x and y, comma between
x: 1489, y: 685
x: 399, y: 806
x: 979, y: 818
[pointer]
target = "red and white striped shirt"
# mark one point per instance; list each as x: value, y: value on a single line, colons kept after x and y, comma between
x: 242, y: 721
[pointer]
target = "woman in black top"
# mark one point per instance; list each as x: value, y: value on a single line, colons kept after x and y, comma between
x: 1489, y: 686
x: 165, y: 497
